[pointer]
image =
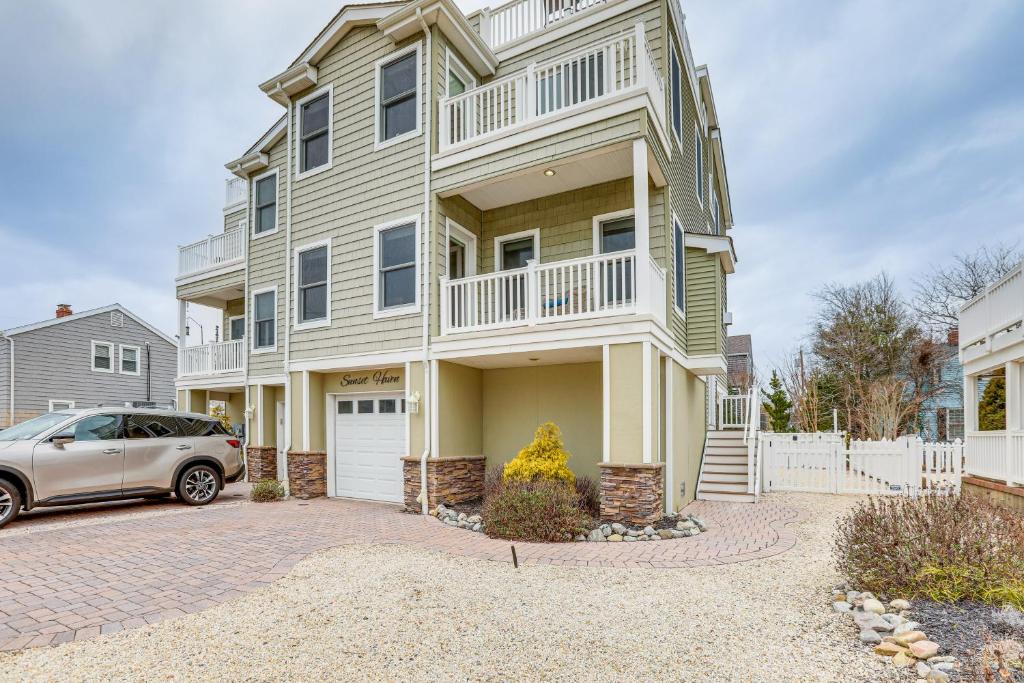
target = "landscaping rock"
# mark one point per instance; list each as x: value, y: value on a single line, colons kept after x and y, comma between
x: 474, y: 519
x: 685, y: 525
x: 893, y: 619
x: 580, y: 537
x: 615, y: 538
x: 906, y: 639
x: 923, y: 649
x: 596, y: 536
x: 922, y: 669
x: 867, y: 620
x: 676, y: 533
x: 478, y: 527
x: 618, y: 529
x: 699, y: 522
x: 606, y: 529
x: 842, y: 606
x: 899, y: 605
x: 945, y: 667
x: 906, y: 626
x: 463, y: 517
x: 869, y: 637
x: 649, y: 530
x: 872, y: 605
x: 889, y: 649
x: 633, y: 532
x: 666, y: 534
x: 936, y: 676
x: 451, y: 522
x: 851, y: 596
x: 903, y: 659
x: 629, y: 539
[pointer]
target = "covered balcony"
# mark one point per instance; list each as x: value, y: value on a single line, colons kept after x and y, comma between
x: 211, y: 359
x: 212, y: 253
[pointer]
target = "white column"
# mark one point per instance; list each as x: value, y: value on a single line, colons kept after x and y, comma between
x: 669, y: 436
x: 435, y: 410
x: 305, y: 411
x: 606, y: 406
x: 182, y: 324
x: 648, y: 404
x: 970, y: 404
x: 1013, y: 415
x: 642, y: 227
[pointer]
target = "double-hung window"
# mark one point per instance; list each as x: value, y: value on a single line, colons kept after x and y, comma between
x: 398, y: 95
x: 312, y: 264
x: 236, y: 327
x: 698, y: 150
x: 679, y: 263
x: 395, y: 257
x: 102, y: 357
x: 266, y: 204
x: 677, y: 97
x: 612, y: 233
x: 264, y: 324
x: 129, y: 360
x: 315, y: 132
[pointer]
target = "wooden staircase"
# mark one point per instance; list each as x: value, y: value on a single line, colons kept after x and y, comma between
x: 723, y: 472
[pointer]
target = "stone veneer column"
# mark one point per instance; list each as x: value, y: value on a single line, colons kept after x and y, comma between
x: 307, y: 474
x: 450, y: 480
x: 633, y: 493
x: 260, y: 463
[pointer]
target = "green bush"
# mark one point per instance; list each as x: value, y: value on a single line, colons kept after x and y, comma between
x: 266, y: 491
x: 946, y: 548
x: 539, y: 510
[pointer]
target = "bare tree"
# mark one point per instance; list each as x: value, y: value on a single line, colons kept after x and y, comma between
x: 801, y: 381
x: 939, y: 294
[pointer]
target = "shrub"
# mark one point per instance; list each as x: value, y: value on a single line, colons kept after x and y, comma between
x: 493, y: 478
x: 946, y: 548
x: 266, y: 491
x: 588, y: 496
x: 540, y: 510
x: 545, y: 458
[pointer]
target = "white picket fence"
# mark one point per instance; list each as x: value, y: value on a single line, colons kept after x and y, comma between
x: 822, y: 463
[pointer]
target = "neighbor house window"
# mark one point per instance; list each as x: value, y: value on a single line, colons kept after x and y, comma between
x: 60, y: 405
x: 679, y: 262
x: 315, y: 132
x: 102, y: 357
x: 266, y: 204
x: 264, y: 305
x: 698, y: 150
x: 398, y: 100
x: 395, y: 264
x: 677, y: 98
x: 313, y: 267
x: 129, y: 360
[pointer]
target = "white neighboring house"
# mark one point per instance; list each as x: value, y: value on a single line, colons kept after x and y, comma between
x: 105, y: 355
x: 992, y: 340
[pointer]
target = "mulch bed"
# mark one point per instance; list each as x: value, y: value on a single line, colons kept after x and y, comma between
x: 962, y: 629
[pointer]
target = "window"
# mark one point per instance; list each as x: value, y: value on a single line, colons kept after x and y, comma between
x: 266, y: 203
x: 387, y: 406
x: 679, y: 261
x: 197, y: 426
x: 102, y: 357
x: 151, y: 426
x: 698, y: 150
x: 513, y: 251
x: 397, y: 95
x: 96, y: 428
x: 236, y: 327
x: 312, y: 266
x: 129, y: 360
x: 264, y: 306
x: 60, y: 405
x: 315, y: 131
x: 396, y: 263
x: 677, y: 97
x: 364, y: 407
x: 614, y: 232
x: 460, y: 79
x: 344, y: 407
x: 716, y: 211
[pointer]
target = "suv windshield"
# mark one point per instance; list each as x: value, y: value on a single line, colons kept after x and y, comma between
x: 30, y: 429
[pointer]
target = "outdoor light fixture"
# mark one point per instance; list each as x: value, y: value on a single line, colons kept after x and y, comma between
x: 549, y: 172
x: 413, y: 403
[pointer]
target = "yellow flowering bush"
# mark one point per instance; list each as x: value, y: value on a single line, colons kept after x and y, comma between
x: 545, y: 458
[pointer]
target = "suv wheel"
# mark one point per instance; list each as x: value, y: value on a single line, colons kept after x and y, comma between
x: 198, y: 485
x: 10, y: 502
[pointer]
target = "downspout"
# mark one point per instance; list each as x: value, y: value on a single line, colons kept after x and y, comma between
x: 283, y: 471
x: 246, y: 413
x: 428, y: 241
x: 149, y: 374
x: 10, y: 417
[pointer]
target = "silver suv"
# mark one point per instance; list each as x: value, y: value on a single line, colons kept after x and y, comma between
x: 101, y: 454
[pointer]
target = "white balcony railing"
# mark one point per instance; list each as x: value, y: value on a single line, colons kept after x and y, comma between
x: 236, y: 191
x: 573, y: 289
x: 211, y: 359
x: 214, y: 251
x: 600, y: 71
x: 516, y: 19
x: 733, y: 411
x: 996, y: 455
x: 999, y: 308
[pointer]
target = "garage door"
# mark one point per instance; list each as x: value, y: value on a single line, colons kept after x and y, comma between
x: 369, y: 442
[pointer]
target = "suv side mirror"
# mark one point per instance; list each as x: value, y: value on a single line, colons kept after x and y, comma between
x: 61, y: 440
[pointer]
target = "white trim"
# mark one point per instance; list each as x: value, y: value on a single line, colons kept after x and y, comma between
x: 357, y: 361
x: 501, y: 239
x: 604, y: 218
x: 85, y: 314
x: 469, y: 240
x: 698, y: 163
x: 330, y: 418
x: 207, y: 274
x: 329, y: 89
x: 70, y: 404
x: 715, y: 244
x: 306, y: 436
x: 669, y: 436
x: 252, y: 321
x: 676, y: 225
x: 407, y: 309
x: 378, y: 143
x: 565, y: 27
x: 92, y: 358
x: 454, y: 64
x: 312, y: 324
x: 231, y: 319
x: 406, y: 21
x: 227, y: 380
x: 646, y: 390
x: 408, y: 421
x: 120, y: 359
x: 435, y: 410
x: 277, y: 202
x: 606, y: 405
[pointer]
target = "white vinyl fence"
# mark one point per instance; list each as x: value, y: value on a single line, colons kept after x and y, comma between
x: 823, y: 463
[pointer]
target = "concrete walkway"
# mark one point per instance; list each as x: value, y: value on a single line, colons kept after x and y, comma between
x: 71, y: 581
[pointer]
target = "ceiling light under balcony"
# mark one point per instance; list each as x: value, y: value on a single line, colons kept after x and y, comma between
x: 549, y: 172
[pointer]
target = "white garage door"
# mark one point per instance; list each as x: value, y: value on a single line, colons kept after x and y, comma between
x: 369, y: 442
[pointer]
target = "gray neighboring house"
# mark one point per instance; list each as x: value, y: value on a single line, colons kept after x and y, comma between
x: 739, y: 353
x: 105, y: 355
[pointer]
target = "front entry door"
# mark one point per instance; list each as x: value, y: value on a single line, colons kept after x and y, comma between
x: 92, y: 463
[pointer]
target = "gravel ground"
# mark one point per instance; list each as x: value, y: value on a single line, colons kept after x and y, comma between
x: 962, y: 629
x: 394, y: 613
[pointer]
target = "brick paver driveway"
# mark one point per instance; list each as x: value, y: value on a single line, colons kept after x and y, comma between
x: 62, y: 582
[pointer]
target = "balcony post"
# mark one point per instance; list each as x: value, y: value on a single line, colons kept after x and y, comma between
x: 1013, y: 415
x: 485, y: 26
x: 531, y: 91
x: 532, y: 292
x: 642, y: 227
x: 640, y: 50
x: 445, y: 295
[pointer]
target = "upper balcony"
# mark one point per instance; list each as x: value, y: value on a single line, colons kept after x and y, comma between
x: 511, y: 22
x: 212, y: 253
x: 236, y: 192
x: 992, y: 324
x: 589, y: 84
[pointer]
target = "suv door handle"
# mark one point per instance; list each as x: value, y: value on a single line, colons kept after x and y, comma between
x: 111, y: 451
x: 183, y: 447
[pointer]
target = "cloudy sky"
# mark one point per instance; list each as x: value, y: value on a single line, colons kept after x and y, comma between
x: 859, y: 136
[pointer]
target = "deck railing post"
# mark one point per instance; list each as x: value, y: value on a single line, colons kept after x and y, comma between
x: 445, y: 294
x: 532, y: 293
x: 531, y: 91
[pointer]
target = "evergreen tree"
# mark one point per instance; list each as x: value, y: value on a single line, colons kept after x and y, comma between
x: 992, y: 409
x: 777, y: 405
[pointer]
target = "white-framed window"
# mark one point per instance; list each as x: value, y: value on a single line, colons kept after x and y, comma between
x: 116, y: 319
x: 461, y: 255
x: 397, y: 94
x: 514, y: 250
x: 716, y: 210
x: 313, y: 285
x: 614, y: 232
x: 315, y: 123
x: 130, y: 360
x: 264, y: 320
x: 698, y: 151
x: 102, y: 356
x: 459, y: 77
x: 264, y: 201
x: 676, y: 78
x: 679, y: 266
x: 55, y: 405
x: 396, y: 267
x: 236, y: 327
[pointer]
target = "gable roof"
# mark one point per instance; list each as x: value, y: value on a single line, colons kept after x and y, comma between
x: 738, y: 343
x: 85, y: 314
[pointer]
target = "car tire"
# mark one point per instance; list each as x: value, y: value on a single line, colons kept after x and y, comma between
x: 198, y: 485
x: 10, y: 502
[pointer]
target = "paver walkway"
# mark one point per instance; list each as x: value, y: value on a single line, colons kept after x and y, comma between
x: 70, y: 582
